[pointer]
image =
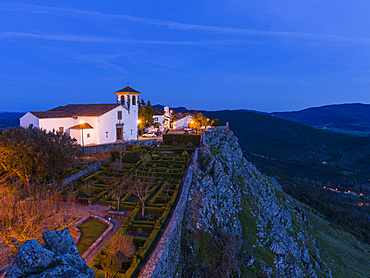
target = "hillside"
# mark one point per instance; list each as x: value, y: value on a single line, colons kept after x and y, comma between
x: 294, y: 154
x: 296, y: 144
x: 351, y: 118
x: 9, y: 119
x: 232, y: 206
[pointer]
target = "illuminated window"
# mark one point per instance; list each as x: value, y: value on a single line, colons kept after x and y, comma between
x: 88, y: 135
x: 119, y: 115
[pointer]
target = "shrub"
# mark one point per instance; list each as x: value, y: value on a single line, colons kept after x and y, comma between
x: 190, y: 145
x: 182, y: 139
x: 120, y: 248
x: 131, y: 157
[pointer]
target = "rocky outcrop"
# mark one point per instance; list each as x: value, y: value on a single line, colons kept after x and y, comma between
x: 230, y: 201
x: 59, y: 257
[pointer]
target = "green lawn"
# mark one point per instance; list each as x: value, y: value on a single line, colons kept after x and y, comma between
x: 90, y: 231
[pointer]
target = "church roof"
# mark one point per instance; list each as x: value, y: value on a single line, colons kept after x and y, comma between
x: 82, y: 126
x: 127, y: 89
x: 72, y: 110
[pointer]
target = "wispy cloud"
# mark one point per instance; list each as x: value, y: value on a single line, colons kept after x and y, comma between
x: 16, y: 7
x: 93, y: 39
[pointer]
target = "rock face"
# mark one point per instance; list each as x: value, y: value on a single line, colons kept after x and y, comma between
x: 231, y: 200
x: 59, y: 257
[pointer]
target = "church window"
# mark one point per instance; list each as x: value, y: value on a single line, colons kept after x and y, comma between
x: 88, y: 135
x: 133, y: 100
x: 119, y: 115
x: 123, y: 100
x: 106, y: 134
x: 61, y: 129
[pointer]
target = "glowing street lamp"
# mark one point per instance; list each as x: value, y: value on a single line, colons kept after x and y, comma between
x: 138, y: 121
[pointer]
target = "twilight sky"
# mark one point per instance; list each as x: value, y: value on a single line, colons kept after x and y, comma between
x: 272, y: 55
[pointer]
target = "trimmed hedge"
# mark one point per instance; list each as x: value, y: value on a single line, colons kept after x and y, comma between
x: 182, y: 139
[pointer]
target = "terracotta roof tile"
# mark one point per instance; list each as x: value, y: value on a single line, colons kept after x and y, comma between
x: 128, y: 89
x: 82, y: 126
x: 72, y: 110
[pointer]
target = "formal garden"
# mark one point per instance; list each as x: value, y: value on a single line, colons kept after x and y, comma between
x: 142, y: 182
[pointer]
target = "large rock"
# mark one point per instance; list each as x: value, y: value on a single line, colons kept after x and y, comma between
x: 57, y: 258
x: 275, y: 242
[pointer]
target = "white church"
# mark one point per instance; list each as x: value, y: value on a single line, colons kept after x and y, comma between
x: 92, y: 123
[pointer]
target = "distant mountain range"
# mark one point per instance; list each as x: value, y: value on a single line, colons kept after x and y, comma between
x: 351, y: 118
x: 344, y: 118
x: 9, y: 119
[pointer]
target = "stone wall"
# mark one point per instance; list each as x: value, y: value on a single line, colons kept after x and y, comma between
x: 89, y: 169
x: 112, y: 146
x: 165, y: 258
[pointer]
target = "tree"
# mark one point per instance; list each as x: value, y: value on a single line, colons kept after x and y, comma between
x: 120, y: 248
x: 145, y: 158
x: 36, y: 156
x: 198, y: 121
x: 146, y: 113
x: 118, y: 187
x: 24, y: 219
x: 87, y: 188
x: 122, y: 150
x: 140, y: 187
x: 215, y: 122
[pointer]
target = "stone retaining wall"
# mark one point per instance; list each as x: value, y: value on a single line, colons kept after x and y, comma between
x: 165, y: 258
x: 89, y: 169
x: 112, y: 146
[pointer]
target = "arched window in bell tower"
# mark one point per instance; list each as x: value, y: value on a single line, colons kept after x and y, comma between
x: 123, y: 100
x: 133, y: 100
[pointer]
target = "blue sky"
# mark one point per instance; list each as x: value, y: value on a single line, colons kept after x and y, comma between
x: 273, y: 55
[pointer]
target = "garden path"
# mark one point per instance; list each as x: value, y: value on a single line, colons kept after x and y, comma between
x: 99, y: 210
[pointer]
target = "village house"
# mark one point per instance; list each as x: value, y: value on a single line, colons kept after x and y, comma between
x: 182, y: 122
x: 162, y: 118
x: 92, y: 123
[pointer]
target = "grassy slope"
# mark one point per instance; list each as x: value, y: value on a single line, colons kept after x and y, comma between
x: 91, y: 230
x: 343, y: 253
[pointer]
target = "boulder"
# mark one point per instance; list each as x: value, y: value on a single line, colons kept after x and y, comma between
x: 59, y: 257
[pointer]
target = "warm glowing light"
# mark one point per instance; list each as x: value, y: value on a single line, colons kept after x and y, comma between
x: 207, y: 120
x: 82, y: 122
x: 139, y: 121
x: 171, y: 111
x: 191, y: 121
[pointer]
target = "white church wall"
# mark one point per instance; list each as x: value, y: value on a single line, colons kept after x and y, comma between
x: 55, y: 123
x: 29, y: 119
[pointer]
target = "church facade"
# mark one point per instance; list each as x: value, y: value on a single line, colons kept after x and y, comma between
x: 92, y: 123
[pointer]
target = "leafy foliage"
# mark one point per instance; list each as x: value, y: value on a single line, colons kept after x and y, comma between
x: 146, y: 113
x: 34, y: 155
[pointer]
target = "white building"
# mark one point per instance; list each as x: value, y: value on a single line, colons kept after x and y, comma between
x: 182, y: 122
x: 162, y: 118
x: 92, y: 123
